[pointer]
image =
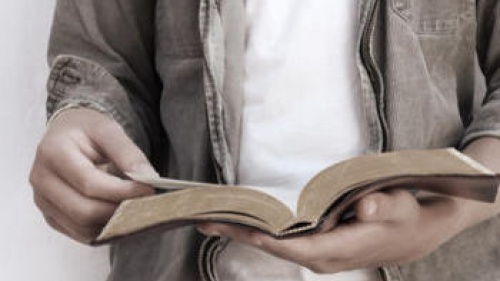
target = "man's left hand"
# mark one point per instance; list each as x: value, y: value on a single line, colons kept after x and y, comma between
x: 391, y: 228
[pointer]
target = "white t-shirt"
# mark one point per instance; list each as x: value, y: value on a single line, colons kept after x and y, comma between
x: 300, y: 115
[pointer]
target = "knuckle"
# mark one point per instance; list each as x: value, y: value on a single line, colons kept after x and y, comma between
x: 105, y: 128
x: 38, y: 203
x: 38, y: 177
x: 40, y: 182
x: 33, y: 177
x: 52, y: 223
x: 49, y: 148
x: 44, y: 150
x: 86, y: 187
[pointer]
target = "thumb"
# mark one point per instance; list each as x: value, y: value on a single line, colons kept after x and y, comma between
x: 393, y: 206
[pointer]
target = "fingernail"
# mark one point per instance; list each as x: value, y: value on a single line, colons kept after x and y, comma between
x: 371, y: 207
x: 145, y: 170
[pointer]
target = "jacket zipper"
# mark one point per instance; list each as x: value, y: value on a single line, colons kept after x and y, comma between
x: 374, y: 72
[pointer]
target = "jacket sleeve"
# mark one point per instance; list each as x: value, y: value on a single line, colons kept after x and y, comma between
x: 101, y: 55
x: 486, y: 120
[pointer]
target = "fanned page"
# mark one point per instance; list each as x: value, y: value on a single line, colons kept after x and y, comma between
x: 209, y: 203
x: 289, y: 197
x: 445, y: 171
x: 331, y: 191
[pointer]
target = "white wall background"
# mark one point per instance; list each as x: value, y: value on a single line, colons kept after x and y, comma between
x: 29, y: 249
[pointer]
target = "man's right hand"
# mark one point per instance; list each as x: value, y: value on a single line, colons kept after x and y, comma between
x: 75, y: 194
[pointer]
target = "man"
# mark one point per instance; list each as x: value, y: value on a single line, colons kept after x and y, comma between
x: 174, y: 75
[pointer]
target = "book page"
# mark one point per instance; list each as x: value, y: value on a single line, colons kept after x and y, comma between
x: 330, y: 184
x: 221, y: 203
x: 288, y: 196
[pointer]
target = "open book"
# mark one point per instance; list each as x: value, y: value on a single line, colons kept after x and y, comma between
x: 325, y: 197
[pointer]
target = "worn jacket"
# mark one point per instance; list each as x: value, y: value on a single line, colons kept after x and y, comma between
x: 170, y: 72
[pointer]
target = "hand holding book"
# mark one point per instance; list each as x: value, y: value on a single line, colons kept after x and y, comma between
x: 391, y: 227
x: 396, y: 231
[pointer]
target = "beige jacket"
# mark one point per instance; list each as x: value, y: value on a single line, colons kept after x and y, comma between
x: 170, y: 72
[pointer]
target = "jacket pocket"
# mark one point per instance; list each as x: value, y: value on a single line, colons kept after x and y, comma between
x: 432, y: 16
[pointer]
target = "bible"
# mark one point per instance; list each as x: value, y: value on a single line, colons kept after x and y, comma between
x: 323, y: 200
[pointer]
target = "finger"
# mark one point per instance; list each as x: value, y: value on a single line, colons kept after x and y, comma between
x: 52, y: 223
x: 296, y: 249
x: 391, y: 206
x: 107, y: 138
x: 64, y: 224
x: 436, y: 213
x: 71, y: 234
x: 347, y: 247
x: 81, y: 210
x: 86, y: 178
